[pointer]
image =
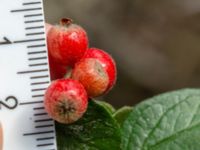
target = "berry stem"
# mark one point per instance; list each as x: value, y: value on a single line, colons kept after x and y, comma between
x: 69, y: 73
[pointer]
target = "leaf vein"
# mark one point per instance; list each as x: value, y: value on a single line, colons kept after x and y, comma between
x: 160, y: 119
x: 175, y: 135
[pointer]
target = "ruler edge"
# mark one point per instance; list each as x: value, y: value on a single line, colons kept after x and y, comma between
x: 45, y: 34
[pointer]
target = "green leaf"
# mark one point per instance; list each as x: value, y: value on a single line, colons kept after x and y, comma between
x: 121, y: 114
x: 96, y: 130
x: 170, y: 121
x: 107, y: 106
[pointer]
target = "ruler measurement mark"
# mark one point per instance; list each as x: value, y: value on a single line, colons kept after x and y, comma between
x: 36, y: 33
x: 22, y: 41
x: 29, y: 103
x: 35, y: 27
x: 31, y: 3
x: 32, y: 15
x: 38, y: 77
x: 38, y: 58
x: 44, y: 126
x: 28, y: 9
x: 33, y: 21
x: 43, y: 120
x: 48, y: 144
x: 38, y: 45
x: 6, y: 41
x: 40, y: 114
x: 40, y: 64
x: 36, y: 133
x: 33, y: 71
x: 36, y: 90
x: 45, y: 138
x: 39, y: 83
x: 41, y: 95
x: 38, y: 108
x: 29, y: 40
x: 36, y: 52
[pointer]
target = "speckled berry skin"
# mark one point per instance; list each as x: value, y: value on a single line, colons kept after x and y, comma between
x: 57, y: 71
x: 67, y: 42
x: 66, y: 100
x: 107, y: 62
x: 90, y: 73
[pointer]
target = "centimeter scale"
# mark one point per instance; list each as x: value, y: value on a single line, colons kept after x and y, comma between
x: 24, y: 77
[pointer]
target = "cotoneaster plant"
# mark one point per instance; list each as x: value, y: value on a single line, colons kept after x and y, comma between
x: 168, y: 121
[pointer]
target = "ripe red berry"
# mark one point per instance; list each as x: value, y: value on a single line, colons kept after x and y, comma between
x: 92, y: 75
x: 66, y: 100
x: 57, y: 71
x: 67, y: 42
x: 107, y: 62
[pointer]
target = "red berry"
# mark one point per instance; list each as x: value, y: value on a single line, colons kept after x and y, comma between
x: 67, y: 42
x: 92, y: 75
x: 107, y: 62
x: 57, y: 71
x: 66, y: 100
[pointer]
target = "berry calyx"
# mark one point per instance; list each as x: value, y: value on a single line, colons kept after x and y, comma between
x: 107, y: 62
x: 66, y: 21
x: 67, y: 42
x: 92, y: 75
x: 66, y: 100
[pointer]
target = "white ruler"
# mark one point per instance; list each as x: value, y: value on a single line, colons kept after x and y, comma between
x: 24, y: 76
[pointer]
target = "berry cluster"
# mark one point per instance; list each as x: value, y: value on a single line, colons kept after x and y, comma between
x: 78, y: 72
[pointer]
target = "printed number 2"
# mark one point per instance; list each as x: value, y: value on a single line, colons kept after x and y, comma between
x: 10, y: 102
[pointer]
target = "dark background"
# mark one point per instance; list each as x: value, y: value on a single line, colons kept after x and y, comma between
x: 155, y: 43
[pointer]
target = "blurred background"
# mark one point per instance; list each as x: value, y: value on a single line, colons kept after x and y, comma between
x: 155, y: 43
